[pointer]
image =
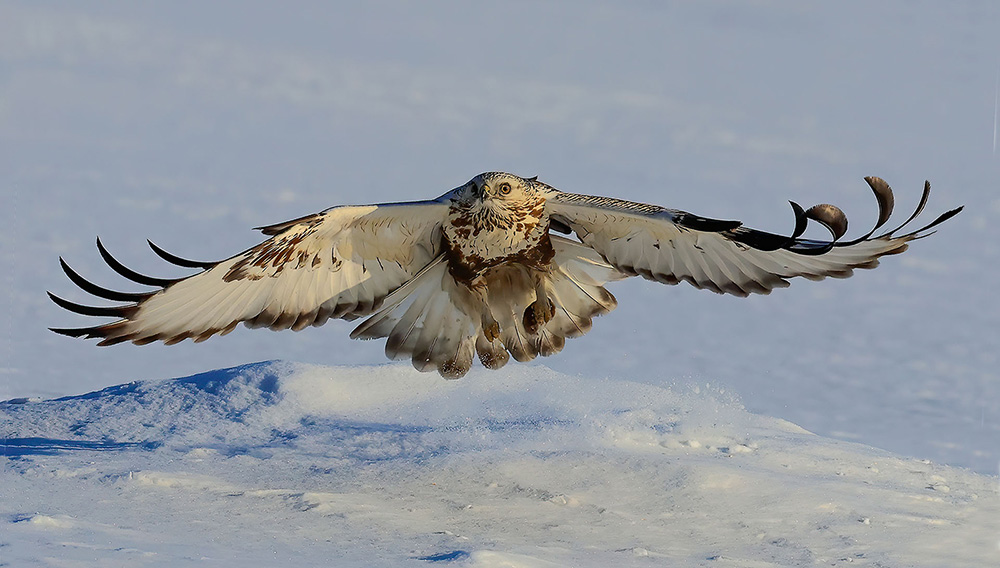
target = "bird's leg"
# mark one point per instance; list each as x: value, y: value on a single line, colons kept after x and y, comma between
x: 542, y: 309
x: 491, y: 328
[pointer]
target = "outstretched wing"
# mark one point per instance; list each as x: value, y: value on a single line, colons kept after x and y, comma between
x: 339, y: 263
x: 669, y: 246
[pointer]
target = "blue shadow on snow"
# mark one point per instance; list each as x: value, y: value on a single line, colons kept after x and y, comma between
x: 212, y: 382
x: 18, y: 447
x: 453, y: 556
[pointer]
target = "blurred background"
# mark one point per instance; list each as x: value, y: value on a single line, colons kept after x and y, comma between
x: 188, y: 123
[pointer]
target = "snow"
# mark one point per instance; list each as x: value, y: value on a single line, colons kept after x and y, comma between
x: 683, y: 415
x: 280, y: 463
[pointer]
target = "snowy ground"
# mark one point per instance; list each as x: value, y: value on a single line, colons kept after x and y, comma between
x: 190, y: 122
x: 281, y: 464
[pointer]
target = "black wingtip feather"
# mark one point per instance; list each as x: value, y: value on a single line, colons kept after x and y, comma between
x: 99, y: 311
x: 801, y: 221
x: 99, y: 291
x: 179, y: 261
x: 886, y: 201
x: 700, y: 223
x: 131, y: 274
x: 834, y: 219
x: 831, y: 217
x: 920, y: 207
x: 71, y: 332
x: 941, y: 219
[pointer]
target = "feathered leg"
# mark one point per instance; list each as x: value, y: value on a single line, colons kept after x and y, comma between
x: 542, y: 310
x: 491, y: 328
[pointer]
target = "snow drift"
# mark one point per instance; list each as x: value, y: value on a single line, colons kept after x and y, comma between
x: 287, y: 464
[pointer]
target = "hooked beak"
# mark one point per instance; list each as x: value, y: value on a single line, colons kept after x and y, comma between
x: 479, y: 189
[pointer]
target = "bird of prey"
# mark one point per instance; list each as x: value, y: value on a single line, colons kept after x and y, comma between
x: 477, y: 271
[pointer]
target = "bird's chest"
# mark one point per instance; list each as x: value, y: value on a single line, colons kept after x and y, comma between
x: 477, y: 243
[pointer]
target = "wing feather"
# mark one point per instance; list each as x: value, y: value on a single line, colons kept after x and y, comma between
x: 669, y: 246
x: 340, y: 263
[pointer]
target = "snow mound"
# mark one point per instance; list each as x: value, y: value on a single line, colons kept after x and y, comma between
x: 288, y: 464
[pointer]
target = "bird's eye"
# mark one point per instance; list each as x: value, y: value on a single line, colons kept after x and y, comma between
x: 504, y: 188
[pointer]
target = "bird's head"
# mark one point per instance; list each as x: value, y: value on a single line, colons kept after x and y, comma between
x: 499, y: 197
x: 499, y: 191
x: 501, y: 187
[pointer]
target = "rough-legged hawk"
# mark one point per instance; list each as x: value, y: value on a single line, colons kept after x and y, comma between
x: 477, y: 271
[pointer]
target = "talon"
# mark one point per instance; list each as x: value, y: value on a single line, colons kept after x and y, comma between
x: 538, y: 314
x: 491, y: 331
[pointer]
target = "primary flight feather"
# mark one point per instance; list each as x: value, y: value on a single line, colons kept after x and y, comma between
x: 477, y: 271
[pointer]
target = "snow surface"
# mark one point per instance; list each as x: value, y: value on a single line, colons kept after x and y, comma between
x: 278, y: 464
x: 189, y: 122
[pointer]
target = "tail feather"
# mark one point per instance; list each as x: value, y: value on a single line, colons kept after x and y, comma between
x: 567, y: 319
x: 403, y: 335
x: 547, y: 343
x: 578, y: 299
x: 428, y: 320
x: 434, y: 337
